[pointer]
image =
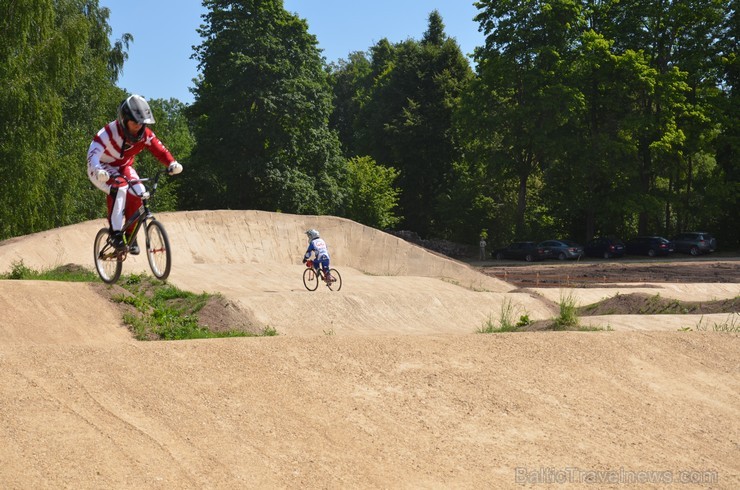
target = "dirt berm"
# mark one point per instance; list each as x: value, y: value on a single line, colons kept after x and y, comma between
x: 384, y: 384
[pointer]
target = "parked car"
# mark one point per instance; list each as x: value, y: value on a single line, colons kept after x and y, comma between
x: 649, y: 245
x: 695, y: 242
x: 604, y: 247
x: 562, y: 249
x: 528, y: 251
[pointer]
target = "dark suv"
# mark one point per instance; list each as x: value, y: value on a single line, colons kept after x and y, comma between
x: 650, y: 246
x: 528, y: 251
x: 695, y: 242
x: 604, y: 247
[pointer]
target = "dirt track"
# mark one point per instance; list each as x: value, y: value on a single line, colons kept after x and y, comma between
x: 384, y: 385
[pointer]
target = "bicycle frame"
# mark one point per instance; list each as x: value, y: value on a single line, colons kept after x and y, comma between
x: 318, y: 270
x: 143, y: 213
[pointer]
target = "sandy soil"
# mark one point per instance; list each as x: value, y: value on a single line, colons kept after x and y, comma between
x: 384, y: 384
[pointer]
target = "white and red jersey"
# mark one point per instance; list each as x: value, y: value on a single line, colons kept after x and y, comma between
x: 107, y: 150
x: 317, y: 246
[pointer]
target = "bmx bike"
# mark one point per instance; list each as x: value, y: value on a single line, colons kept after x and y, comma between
x: 109, y: 260
x: 312, y: 277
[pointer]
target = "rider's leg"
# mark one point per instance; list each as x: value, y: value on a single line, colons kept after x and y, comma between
x: 117, y: 236
x: 325, y: 266
x: 116, y: 200
x: 116, y: 205
x: 119, y: 204
x: 133, y: 201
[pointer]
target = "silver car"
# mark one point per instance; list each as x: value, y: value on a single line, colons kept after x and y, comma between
x: 695, y: 242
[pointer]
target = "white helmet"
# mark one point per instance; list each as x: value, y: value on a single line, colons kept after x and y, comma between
x: 312, y: 234
x: 134, y: 108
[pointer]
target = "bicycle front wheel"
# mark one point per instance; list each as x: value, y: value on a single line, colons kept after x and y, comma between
x: 158, y: 250
x: 108, y: 261
x: 336, y: 283
x: 310, y: 279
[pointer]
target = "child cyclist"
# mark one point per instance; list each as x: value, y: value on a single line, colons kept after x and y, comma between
x: 112, y: 153
x: 317, y: 245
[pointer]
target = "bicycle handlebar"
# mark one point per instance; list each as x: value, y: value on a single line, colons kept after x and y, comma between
x: 131, y: 182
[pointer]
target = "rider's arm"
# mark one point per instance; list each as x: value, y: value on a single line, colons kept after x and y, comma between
x: 95, y: 170
x: 309, y: 250
x: 156, y: 148
x: 93, y: 155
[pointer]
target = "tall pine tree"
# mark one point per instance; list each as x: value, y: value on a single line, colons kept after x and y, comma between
x: 261, y: 114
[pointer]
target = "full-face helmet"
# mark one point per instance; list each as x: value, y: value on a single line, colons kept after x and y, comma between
x: 312, y: 234
x: 134, y: 108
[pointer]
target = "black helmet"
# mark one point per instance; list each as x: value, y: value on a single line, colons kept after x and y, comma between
x: 134, y: 108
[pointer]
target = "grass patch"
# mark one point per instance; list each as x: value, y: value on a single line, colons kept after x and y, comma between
x: 156, y: 310
x: 66, y: 273
x: 590, y: 328
x: 505, y: 320
x: 163, y: 312
x: 730, y: 325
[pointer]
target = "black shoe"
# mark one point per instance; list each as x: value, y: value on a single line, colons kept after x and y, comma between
x: 134, y: 248
x: 117, y: 240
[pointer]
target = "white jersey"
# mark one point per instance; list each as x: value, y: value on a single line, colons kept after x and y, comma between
x: 318, y: 246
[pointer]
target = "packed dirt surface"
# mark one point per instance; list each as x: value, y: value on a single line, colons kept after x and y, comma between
x: 384, y: 384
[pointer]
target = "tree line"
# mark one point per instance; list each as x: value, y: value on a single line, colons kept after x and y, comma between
x: 576, y: 118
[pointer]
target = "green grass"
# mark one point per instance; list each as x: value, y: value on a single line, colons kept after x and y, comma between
x: 160, y: 310
x: 164, y: 312
x: 505, y: 321
x: 590, y: 328
x: 730, y: 325
x: 68, y: 273
x: 568, y: 317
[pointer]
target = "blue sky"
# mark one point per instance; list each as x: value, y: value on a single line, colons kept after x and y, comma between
x: 164, y: 31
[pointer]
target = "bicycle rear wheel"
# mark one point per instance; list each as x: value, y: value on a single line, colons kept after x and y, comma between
x: 158, y: 250
x: 336, y: 284
x: 108, y: 261
x: 310, y: 279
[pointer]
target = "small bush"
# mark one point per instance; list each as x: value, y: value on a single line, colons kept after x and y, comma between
x: 568, y: 317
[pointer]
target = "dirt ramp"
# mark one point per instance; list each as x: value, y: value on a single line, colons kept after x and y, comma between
x: 366, y: 305
x: 71, y: 244
x: 389, y: 285
x: 41, y: 312
x: 258, y: 238
x: 255, y: 238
